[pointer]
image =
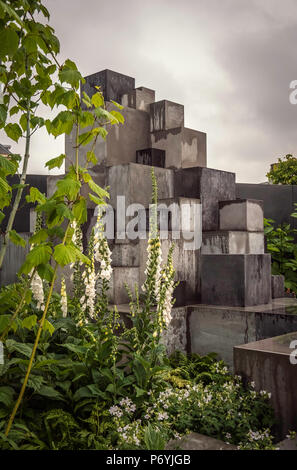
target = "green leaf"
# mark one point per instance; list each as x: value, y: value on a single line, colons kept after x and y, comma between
x: 86, y: 119
x: 35, y: 196
x: 9, y: 42
x: 38, y: 255
x: 39, y: 237
x: 6, y: 396
x: 80, y: 211
x: 97, y: 100
x: 85, y: 138
x: 64, y: 254
x: 50, y: 392
x: 117, y: 105
x: 91, y: 157
x: 13, y: 131
x: 3, y: 114
x: 7, y: 166
x: 120, y: 118
x: 23, y: 348
x: 47, y: 326
x: 56, y: 162
x: 46, y: 272
x: 96, y: 199
x: 16, y: 238
x: 68, y: 187
x: 70, y: 74
x: 29, y: 322
x: 97, y: 189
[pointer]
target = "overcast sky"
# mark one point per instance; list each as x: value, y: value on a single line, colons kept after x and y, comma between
x: 230, y: 62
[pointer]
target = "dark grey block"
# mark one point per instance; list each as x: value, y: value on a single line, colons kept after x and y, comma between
x: 151, y: 157
x: 208, y: 185
x: 241, y: 214
x: 277, y: 286
x: 180, y: 294
x: 236, y: 280
x: 113, y: 84
x: 166, y: 115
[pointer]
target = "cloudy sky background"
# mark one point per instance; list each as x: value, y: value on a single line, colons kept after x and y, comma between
x: 230, y: 62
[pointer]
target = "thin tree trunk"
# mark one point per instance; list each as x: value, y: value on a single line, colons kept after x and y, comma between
x: 19, y: 192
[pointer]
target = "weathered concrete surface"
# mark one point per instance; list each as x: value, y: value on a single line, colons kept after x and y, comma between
x: 267, y: 363
x: 287, y: 444
x: 241, y: 214
x: 151, y: 157
x: 121, y: 142
x: 122, y: 276
x: 134, y: 182
x: 181, y: 214
x: 14, y: 257
x: 125, y: 254
x: 140, y: 98
x: 277, y: 286
x: 184, y: 147
x: 232, y: 242
x: 165, y: 115
x: 236, y: 280
x: 195, y: 441
x: 208, y: 185
x: 219, y: 328
x: 113, y: 84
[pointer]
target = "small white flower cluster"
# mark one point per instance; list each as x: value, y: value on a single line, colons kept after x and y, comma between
x: 115, y: 411
x: 128, y: 405
x: 63, y: 298
x: 257, y: 435
x: 130, y: 433
x: 37, y: 291
x: 153, y: 268
x: 263, y: 393
x: 102, y: 252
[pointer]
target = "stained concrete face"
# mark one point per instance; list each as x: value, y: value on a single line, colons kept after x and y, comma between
x: 165, y: 115
x: 120, y: 145
x: 151, y: 157
x: 113, y: 84
x: 14, y: 258
x: 122, y: 276
x: 134, y: 182
x: 236, y: 280
x: 232, y: 242
x: 267, y: 363
x: 277, y: 286
x: 140, y: 98
x: 184, y: 147
x: 241, y: 214
x: 208, y: 185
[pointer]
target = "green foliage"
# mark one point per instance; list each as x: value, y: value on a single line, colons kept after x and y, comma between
x: 283, y: 249
x: 284, y: 172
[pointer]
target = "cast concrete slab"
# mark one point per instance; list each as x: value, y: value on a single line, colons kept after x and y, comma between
x: 122, y: 277
x: 220, y: 328
x: 232, y: 242
x: 241, y: 214
x: 268, y: 364
x: 236, y: 280
x: 151, y: 157
x: 139, y: 98
x: 195, y: 441
x: 277, y: 286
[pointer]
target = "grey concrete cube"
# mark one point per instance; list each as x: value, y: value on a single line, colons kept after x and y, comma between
x: 121, y: 276
x: 242, y: 214
x: 166, y: 115
x: 113, y: 84
x: 208, y: 185
x: 232, y: 242
x: 184, y: 147
x: 236, y: 280
x: 140, y: 98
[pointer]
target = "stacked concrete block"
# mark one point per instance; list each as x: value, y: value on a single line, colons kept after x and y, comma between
x: 113, y: 85
x: 232, y: 242
x: 165, y: 115
x: 242, y: 214
x: 236, y: 280
x: 139, y: 98
x: 122, y: 277
x: 208, y: 185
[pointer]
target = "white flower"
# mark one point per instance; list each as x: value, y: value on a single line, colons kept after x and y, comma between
x: 37, y: 290
x: 63, y: 298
